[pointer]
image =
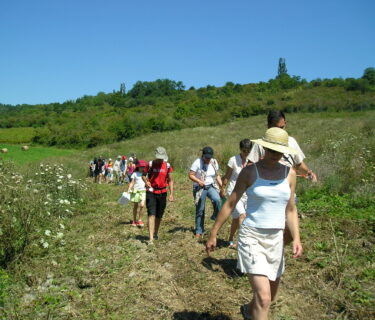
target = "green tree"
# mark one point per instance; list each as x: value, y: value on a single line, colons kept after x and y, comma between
x: 369, y: 75
x: 282, y: 67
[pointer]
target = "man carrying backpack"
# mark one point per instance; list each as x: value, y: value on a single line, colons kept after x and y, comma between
x: 157, y: 177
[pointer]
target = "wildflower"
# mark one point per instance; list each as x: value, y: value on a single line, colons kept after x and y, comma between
x: 58, y: 180
x: 45, y: 245
x: 59, y: 235
x: 48, y: 213
x: 61, y: 201
x: 62, y: 226
x: 45, y: 203
x: 47, y: 232
x: 66, y: 201
x: 35, y: 191
x: 69, y: 176
x: 59, y: 187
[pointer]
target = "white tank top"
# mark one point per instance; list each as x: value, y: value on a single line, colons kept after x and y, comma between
x: 266, y: 202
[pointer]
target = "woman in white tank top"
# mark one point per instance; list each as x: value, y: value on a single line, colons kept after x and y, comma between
x: 270, y: 188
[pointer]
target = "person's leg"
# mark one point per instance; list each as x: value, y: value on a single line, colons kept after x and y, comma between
x: 199, y: 213
x: 161, y: 204
x: 151, y: 226
x: 141, y: 206
x: 274, y: 287
x: 241, y: 218
x: 216, y: 201
x: 261, y: 296
x: 135, y: 208
x: 151, y: 211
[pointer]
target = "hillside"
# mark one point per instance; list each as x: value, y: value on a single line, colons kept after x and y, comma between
x: 89, y: 263
x: 165, y: 105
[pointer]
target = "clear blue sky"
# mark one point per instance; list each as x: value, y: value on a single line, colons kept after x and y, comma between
x: 58, y: 50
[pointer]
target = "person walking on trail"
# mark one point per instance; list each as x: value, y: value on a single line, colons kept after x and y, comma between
x: 234, y: 167
x: 123, y: 167
x: 99, y: 165
x: 204, y: 172
x: 276, y: 118
x: 137, y: 191
x: 269, y: 186
x: 130, y: 169
x: 157, y: 177
x: 117, y: 170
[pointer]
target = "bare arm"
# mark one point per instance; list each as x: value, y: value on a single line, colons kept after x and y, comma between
x: 245, y: 179
x: 303, y: 169
x: 193, y: 178
x: 225, y: 180
x: 131, y: 185
x: 292, y: 216
x: 171, y: 187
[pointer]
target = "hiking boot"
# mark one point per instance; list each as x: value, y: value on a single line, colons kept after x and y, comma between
x: 140, y: 223
x: 134, y: 224
x: 156, y: 237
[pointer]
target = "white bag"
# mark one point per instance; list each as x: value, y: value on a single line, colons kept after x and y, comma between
x: 124, y: 199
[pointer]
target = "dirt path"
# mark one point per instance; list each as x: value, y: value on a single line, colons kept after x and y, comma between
x: 107, y: 271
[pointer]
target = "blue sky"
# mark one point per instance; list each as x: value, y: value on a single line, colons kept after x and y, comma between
x: 53, y: 51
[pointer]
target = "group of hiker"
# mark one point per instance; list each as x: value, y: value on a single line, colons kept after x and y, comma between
x: 257, y: 189
x: 108, y: 171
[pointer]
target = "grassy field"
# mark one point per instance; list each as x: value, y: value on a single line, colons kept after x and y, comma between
x: 33, y: 155
x: 105, y: 270
x: 16, y: 135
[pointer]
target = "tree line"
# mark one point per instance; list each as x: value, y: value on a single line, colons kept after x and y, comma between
x: 164, y: 105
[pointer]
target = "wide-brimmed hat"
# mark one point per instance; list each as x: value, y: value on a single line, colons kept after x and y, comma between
x: 207, y: 152
x: 276, y: 139
x: 161, y: 153
x: 130, y: 159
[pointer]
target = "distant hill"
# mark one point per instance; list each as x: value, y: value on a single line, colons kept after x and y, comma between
x: 165, y: 105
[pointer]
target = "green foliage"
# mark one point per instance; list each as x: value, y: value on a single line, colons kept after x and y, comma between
x: 17, y: 135
x: 369, y: 75
x: 164, y: 105
x: 33, y: 207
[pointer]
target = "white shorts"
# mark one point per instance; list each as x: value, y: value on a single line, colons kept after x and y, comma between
x: 261, y: 251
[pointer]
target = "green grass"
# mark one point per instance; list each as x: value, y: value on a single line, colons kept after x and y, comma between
x: 16, y: 135
x: 106, y: 271
x: 33, y: 155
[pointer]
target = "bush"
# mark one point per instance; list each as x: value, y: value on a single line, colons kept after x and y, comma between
x: 33, y: 207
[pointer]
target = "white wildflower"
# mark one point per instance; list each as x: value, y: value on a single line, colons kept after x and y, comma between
x: 45, y: 203
x: 62, y: 226
x: 47, y: 232
x: 58, y: 180
x: 69, y: 176
x: 66, y: 201
x: 35, y: 191
x: 59, y: 187
x: 45, y: 245
x: 59, y: 235
x: 48, y: 213
x: 61, y: 201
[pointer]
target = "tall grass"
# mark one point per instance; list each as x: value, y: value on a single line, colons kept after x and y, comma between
x: 17, y: 135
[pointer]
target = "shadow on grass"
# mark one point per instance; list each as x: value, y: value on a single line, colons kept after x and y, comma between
x: 121, y: 223
x: 229, y: 266
x: 182, y: 229
x: 192, y: 315
x: 141, y: 238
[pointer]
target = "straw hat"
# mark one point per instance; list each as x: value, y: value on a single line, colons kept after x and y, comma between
x: 276, y: 139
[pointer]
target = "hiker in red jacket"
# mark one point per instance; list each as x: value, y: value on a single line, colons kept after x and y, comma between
x: 157, y: 177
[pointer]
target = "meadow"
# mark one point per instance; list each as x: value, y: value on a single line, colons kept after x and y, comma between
x: 16, y: 135
x: 68, y: 250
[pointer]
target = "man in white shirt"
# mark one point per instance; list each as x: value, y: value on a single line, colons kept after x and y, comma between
x: 276, y: 118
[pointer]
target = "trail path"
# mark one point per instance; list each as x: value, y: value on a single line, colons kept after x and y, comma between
x: 107, y: 270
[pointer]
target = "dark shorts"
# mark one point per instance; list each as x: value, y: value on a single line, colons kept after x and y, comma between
x: 156, y: 204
